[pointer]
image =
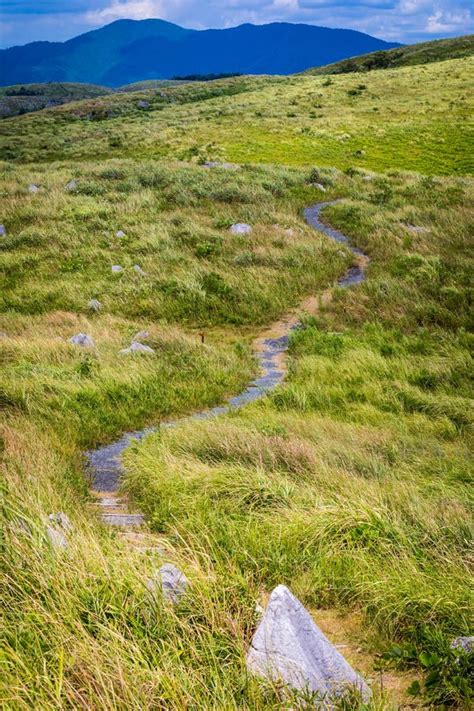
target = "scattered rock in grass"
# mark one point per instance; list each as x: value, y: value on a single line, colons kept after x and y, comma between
x: 137, y: 347
x: 95, y: 305
x: 32, y: 188
x: 142, y: 104
x: 290, y: 232
x: 466, y: 644
x: 319, y: 186
x: 62, y: 520
x: 3, y: 231
x: 56, y: 537
x: 288, y: 646
x: 3, y: 334
x: 116, y: 268
x: 72, y: 185
x: 141, y: 336
x: 172, y: 581
x: 224, y: 166
x: 414, y: 228
x: 83, y: 340
x: 138, y: 269
x: 120, y: 233
x: 240, y: 228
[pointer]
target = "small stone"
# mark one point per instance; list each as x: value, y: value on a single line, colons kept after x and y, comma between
x: 72, y: 185
x: 120, y: 233
x: 137, y: 347
x: 415, y: 229
x: 62, y: 520
x: 173, y: 582
x: 142, y: 104
x: 288, y: 646
x: 56, y: 537
x: 290, y: 232
x: 3, y: 231
x: 95, y: 305
x: 32, y: 188
x: 116, y: 268
x: 240, y: 228
x: 224, y: 166
x: 319, y: 186
x: 138, y: 269
x: 83, y: 340
x: 466, y: 644
x: 141, y: 336
x: 3, y: 334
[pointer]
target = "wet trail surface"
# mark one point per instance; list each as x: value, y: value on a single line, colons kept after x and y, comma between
x: 104, y: 464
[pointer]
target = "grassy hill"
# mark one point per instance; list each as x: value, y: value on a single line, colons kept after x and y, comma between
x: 409, y: 55
x: 415, y: 118
x: 23, y: 98
x: 350, y: 482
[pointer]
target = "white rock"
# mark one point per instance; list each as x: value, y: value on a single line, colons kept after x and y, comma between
x: 62, y: 520
x: 72, y: 185
x: 138, y: 269
x: 319, y: 186
x: 224, y: 166
x: 117, y: 268
x: 466, y: 644
x: 240, y: 228
x: 56, y: 537
x: 95, y: 305
x: 32, y: 188
x: 172, y: 581
x: 288, y: 646
x: 137, y: 347
x: 82, y: 339
x: 141, y: 336
x: 120, y: 233
x: 3, y: 232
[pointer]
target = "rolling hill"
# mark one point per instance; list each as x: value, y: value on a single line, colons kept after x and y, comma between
x: 127, y: 51
x: 408, y: 55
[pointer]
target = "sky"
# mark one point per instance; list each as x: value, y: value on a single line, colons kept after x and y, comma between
x: 23, y: 21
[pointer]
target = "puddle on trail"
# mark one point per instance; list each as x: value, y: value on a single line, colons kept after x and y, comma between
x: 104, y: 465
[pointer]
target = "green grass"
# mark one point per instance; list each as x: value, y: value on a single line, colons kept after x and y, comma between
x: 19, y: 99
x: 412, y: 118
x: 350, y: 482
x: 409, y: 55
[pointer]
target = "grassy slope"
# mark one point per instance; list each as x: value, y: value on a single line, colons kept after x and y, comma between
x: 370, y: 433
x: 409, y: 55
x: 414, y: 118
x: 23, y: 98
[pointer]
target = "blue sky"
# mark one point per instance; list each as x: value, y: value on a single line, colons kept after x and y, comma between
x: 404, y: 20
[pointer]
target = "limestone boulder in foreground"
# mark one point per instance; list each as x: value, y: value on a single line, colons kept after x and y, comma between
x: 289, y: 647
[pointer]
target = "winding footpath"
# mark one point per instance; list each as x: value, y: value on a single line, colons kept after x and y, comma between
x: 104, y: 464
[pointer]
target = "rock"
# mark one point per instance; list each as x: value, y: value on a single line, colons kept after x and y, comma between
x: 240, y: 228
x: 72, y: 185
x: 117, y: 268
x: 319, y: 186
x: 3, y: 334
x: 82, y: 339
x: 62, y: 520
x: 138, y: 269
x: 466, y: 644
x: 3, y: 232
x: 414, y: 228
x: 56, y: 537
x: 173, y: 582
x: 288, y: 646
x: 120, y: 233
x: 95, y: 305
x: 137, y: 347
x: 290, y: 232
x: 32, y: 188
x: 224, y: 166
x: 141, y: 336
x: 142, y: 104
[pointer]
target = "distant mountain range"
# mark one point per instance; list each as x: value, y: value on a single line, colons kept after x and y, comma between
x: 128, y: 51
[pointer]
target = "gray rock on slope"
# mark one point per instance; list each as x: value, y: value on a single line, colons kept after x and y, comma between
x: 82, y: 339
x: 172, y: 581
x: 95, y: 305
x: 137, y: 347
x: 32, y: 188
x: 56, y: 537
x: 466, y: 644
x: 240, y: 228
x: 288, y: 646
x: 3, y: 231
x: 72, y: 185
x: 116, y: 268
x: 141, y: 336
x: 120, y: 233
x: 56, y: 532
x: 138, y: 269
x: 62, y: 520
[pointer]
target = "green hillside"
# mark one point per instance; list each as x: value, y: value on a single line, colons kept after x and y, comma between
x: 408, y: 55
x: 350, y: 482
x: 23, y: 98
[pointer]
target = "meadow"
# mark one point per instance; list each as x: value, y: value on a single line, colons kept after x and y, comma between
x: 351, y: 482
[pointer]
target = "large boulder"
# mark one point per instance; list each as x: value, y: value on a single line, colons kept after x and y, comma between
x: 83, y: 340
x: 289, y: 647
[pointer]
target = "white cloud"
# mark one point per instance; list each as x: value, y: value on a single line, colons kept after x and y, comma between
x: 448, y: 22
x: 131, y: 10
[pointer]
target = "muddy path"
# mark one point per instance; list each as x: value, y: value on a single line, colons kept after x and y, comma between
x: 104, y: 464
